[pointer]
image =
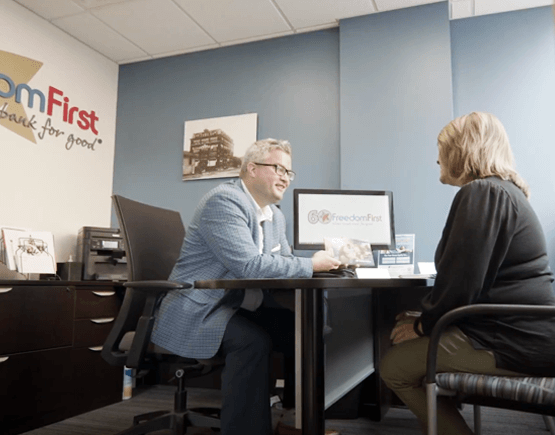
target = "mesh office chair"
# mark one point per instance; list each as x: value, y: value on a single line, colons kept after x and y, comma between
x: 153, y: 237
x: 528, y: 394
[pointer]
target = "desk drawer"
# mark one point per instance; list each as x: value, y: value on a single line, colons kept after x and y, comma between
x: 92, y: 332
x: 34, y: 384
x: 35, y: 317
x: 96, y: 382
x: 91, y: 304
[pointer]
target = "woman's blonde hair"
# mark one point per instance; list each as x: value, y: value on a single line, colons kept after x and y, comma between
x: 259, y: 151
x: 476, y: 146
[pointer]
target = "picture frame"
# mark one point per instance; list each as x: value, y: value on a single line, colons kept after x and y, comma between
x: 214, y: 147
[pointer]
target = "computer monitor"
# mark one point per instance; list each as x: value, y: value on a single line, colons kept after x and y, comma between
x: 355, y: 214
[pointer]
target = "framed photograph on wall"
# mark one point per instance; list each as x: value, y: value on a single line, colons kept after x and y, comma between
x: 214, y: 147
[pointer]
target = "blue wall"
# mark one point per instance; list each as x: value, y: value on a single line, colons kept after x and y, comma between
x: 396, y: 96
x: 398, y: 78
x: 505, y: 64
x: 292, y: 83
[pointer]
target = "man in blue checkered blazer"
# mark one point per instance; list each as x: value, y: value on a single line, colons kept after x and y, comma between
x: 238, y: 232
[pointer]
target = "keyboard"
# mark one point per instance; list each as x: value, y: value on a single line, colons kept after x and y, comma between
x: 336, y: 273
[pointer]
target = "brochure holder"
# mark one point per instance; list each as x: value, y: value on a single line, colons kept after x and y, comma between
x: 27, y: 252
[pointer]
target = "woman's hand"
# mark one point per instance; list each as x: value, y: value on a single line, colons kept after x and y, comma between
x: 404, y: 328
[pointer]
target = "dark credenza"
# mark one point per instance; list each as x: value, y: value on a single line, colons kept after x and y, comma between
x: 51, y: 334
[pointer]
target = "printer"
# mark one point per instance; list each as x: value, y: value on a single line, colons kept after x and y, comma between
x: 102, y: 253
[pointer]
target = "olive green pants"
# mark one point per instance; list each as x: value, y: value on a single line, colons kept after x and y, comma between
x: 403, y: 369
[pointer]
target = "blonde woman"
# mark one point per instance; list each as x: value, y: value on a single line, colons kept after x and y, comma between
x: 492, y: 250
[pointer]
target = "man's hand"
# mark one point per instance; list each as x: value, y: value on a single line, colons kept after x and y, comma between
x: 404, y: 329
x: 322, y: 261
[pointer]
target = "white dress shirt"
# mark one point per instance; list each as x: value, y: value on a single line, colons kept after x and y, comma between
x: 253, y: 297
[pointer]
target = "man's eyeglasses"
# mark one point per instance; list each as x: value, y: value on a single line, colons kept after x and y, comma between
x: 280, y: 170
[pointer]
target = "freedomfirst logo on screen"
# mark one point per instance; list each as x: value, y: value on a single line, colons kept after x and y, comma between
x: 15, y: 93
x: 322, y: 216
x: 326, y: 217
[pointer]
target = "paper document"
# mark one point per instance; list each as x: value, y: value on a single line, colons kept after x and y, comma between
x: 427, y: 271
x: 427, y: 267
x: 372, y: 273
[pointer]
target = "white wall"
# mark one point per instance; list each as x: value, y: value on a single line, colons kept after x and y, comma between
x: 45, y: 186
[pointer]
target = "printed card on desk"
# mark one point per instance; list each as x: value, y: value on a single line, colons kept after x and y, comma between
x: 30, y: 251
x: 399, y: 261
x: 9, y: 245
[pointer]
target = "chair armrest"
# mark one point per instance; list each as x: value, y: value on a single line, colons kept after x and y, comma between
x: 140, y: 301
x: 154, y: 291
x: 474, y: 310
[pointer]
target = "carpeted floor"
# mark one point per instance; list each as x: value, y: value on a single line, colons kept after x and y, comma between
x: 112, y: 419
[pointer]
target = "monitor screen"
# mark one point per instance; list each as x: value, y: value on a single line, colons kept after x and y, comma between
x: 355, y: 214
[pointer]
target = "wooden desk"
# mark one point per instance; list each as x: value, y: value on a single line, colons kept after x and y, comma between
x: 50, y: 363
x: 312, y: 343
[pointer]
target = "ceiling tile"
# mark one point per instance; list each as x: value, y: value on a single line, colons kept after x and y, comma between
x: 461, y: 9
x: 156, y: 26
x: 228, y: 20
x: 484, y: 7
x: 135, y: 30
x: 52, y: 8
x: 189, y: 50
x: 89, y: 4
x: 307, y: 13
x: 135, y: 60
x: 316, y: 28
x: 388, y: 5
x: 257, y: 38
x: 97, y: 35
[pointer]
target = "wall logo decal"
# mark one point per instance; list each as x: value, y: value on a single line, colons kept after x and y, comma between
x: 18, y: 101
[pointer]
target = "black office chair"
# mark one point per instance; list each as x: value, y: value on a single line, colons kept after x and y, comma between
x: 534, y: 394
x: 153, y: 237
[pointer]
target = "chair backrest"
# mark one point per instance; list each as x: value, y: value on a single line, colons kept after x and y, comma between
x: 152, y: 237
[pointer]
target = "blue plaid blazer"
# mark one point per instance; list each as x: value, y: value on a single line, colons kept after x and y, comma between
x: 221, y: 243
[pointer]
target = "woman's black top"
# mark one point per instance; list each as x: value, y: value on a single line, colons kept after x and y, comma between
x: 493, y: 250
